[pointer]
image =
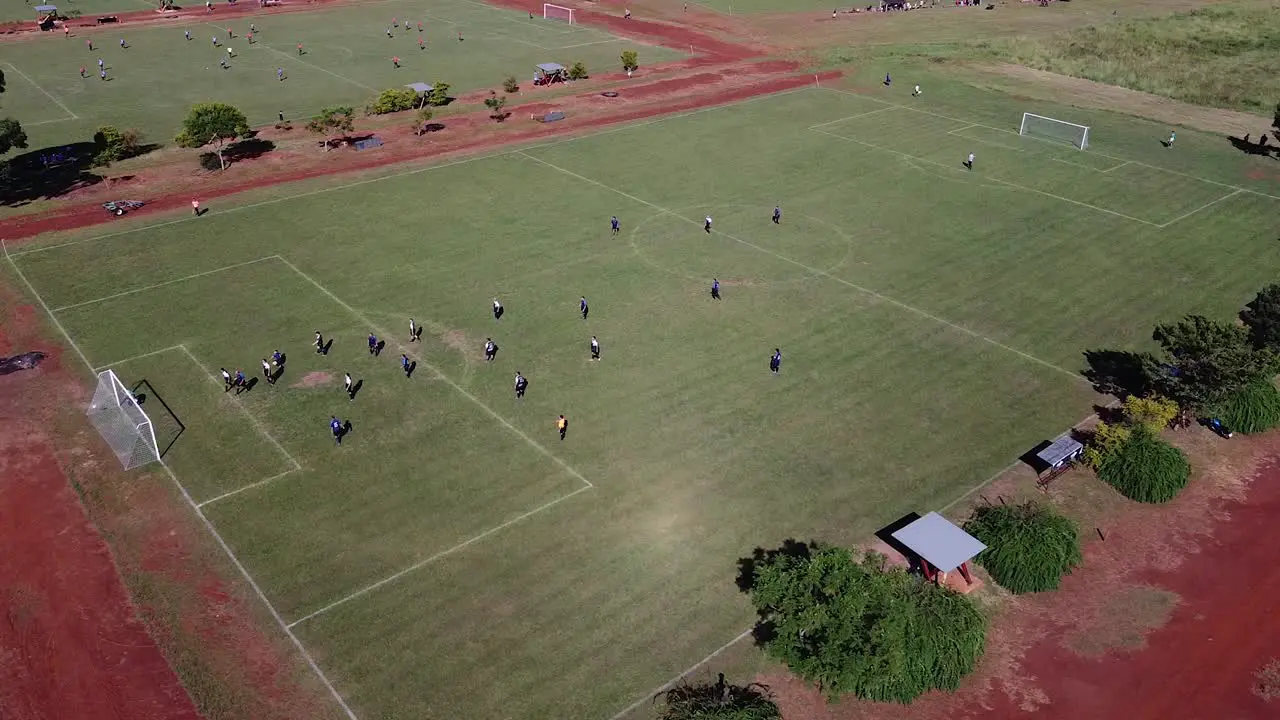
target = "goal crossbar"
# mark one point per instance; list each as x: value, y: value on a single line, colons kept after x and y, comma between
x: 558, y: 12
x: 1055, y: 129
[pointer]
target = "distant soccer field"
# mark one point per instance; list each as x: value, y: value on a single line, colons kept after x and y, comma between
x: 347, y: 60
x: 454, y: 558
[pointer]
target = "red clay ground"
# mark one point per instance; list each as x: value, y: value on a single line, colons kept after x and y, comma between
x: 73, y: 645
x: 1172, y: 616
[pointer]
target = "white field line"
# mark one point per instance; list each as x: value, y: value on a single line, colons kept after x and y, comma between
x: 1085, y: 167
x: 252, y: 418
x: 992, y: 143
x: 822, y: 273
x: 994, y: 179
x: 414, y: 355
x: 48, y: 122
x: 196, y: 509
x: 298, y: 59
x: 250, y: 486
x: 47, y: 94
x: 671, y: 683
x: 1205, y: 206
x: 1115, y: 167
x: 851, y: 117
x: 406, y: 173
x: 443, y: 553
x: 165, y: 283
x: 1123, y: 161
x: 585, y: 44
x: 171, y: 348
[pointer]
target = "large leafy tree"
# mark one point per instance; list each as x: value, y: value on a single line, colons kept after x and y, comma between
x: 11, y: 133
x: 336, y: 120
x: 216, y: 123
x: 1207, y: 360
x: 718, y: 701
x: 854, y: 625
x: 1262, y: 317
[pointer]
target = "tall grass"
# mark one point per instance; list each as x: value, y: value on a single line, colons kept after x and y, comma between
x: 1225, y: 57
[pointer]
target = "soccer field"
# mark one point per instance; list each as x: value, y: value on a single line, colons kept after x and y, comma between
x: 454, y: 558
x: 347, y: 60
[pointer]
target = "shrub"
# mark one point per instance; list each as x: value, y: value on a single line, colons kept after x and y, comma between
x: 421, y: 119
x: 1146, y: 468
x: 108, y: 145
x: 718, y: 701
x: 1155, y: 412
x: 1029, y: 547
x: 630, y: 60
x: 439, y: 94
x: 392, y: 100
x: 1107, y: 438
x: 856, y: 626
x: 496, y: 103
x: 578, y: 71
x: 1253, y: 409
x: 511, y: 85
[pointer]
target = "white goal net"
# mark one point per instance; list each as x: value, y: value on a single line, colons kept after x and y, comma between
x: 122, y: 423
x: 1052, y: 129
x: 557, y: 12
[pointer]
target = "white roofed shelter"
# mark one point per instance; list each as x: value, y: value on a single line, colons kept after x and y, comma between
x: 941, y: 545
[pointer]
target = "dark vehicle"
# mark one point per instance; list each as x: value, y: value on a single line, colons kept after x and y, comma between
x: 120, y: 207
x: 25, y: 361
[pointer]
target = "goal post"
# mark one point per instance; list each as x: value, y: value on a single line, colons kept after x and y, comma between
x: 558, y: 12
x: 1053, y: 129
x: 123, y: 423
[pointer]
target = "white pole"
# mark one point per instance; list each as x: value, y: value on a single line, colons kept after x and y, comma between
x: 815, y: 80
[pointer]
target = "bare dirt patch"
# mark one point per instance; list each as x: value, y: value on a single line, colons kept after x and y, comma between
x: 1123, y: 622
x: 1267, y: 686
x: 1044, y: 85
x: 312, y: 379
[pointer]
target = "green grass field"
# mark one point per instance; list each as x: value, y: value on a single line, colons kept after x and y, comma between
x: 455, y: 559
x: 348, y: 61
x: 12, y: 10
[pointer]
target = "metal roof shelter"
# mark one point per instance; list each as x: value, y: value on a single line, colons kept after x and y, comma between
x: 420, y: 88
x: 1060, y: 452
x: 941, y: 545
x: 46, y: 8
x: 550, y: 67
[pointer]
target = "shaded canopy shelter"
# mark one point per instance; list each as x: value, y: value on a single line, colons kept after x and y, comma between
x: 45, y: 13
x: 1057, y: 457
x: 548, y: 73
x: 422, y: 89
x: 941, y: 545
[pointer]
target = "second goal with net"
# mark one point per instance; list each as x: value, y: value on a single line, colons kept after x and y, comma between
x: 1049, y: 128
x: 120, y: 421
x: 557, y: 12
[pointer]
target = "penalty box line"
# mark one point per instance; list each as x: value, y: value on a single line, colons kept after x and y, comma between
x: 213, y: 531
x: 821, y: 273
x: 158, y: 285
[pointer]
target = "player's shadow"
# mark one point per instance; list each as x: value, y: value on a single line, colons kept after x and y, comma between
x: 377, y: 349
x: 1249, y: 147
x: 356, y: 388
x: 47, y: 173
x: 250, y: 384
x: 411, y: 369
x: 277, y: 373
x: 417, y: 333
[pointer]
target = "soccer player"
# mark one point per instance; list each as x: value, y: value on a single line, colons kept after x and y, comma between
x: 319, y: 343
x: 195, y: 204
x: 626, y: 14
x: 230, y: 53
x: 777, y: 215
x: 249, y: 38
x: 521, y: 385
x: 266, y: 372
x: 395, y: 61
x: 208, y: 6
x: 497, y: 309
x: 101, y: 64
x: 613, y: 223
x: 230, y: 34
x: 595, y: 348
x: 82, y: 71
x: 280, y: 77
x: 562, y: 425
x: 300, y: 52
x: 388, y: 32
x: 1172, y: 136
x: 405, y: 365
x: 103, y: 75
x: 459, y: 36
x: 413, y: 331
x: 277, y: 357
x: 582, y: 307
x: 187, y: 34
x: 226, y: 379
x: 253, y: 28
x: 336, y: 426
x: 123, y: 44
x: 419, y: 26
x: 223, y: 63
x: 66, y: 30
x: 240, y: 383
x: 969, y: 163
x: 490, y: 350
x: 775, y: 362
x: 215, y: 40
x: 347, y: 385
x: 706, y: 224
x: 373, y: 344
x: 715, y: 289
x: 887, y: 80
x: 421, y: 45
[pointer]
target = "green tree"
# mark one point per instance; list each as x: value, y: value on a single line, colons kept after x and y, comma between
x: 392, y: 100
x: 1262, y: 317
x: 857, y: 626
x: 1208, y: 359
x: 11, y: 135
x: 578, y: 71
x: 334, y: 120
x: 1146, y: 468
x: 1275, y: 119
x: 511, y: 85
x: 112, y: 144
x: 1154, y: 411
x: 630, y: 60
x: 1029, y: 547
x: 1107, y: 439
x: 496, y: 103
x: 216, y: 123
x: 718, y: 701
x: 421, y: 119
x: 439, y: 94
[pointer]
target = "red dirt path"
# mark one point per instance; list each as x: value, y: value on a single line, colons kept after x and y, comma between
x: 1095, y: 649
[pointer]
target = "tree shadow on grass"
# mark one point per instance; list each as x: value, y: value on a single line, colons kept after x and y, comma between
x: 47, y: 173
x: 1119, y: 372
x: 249, y: 149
